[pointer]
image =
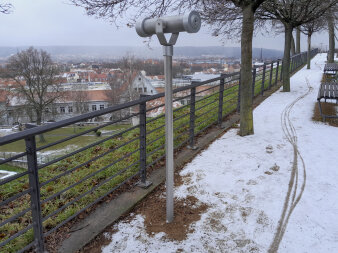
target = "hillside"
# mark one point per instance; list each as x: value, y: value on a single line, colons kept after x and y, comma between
x: 72, y: 53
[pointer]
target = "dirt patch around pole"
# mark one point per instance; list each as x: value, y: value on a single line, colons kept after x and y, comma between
x: 186, y: 211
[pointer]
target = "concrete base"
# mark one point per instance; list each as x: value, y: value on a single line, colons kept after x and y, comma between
x: 144, y: 185
x: 192, y: 147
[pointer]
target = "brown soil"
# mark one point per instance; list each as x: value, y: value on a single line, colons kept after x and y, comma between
x: 328, y: 109
x: 96, y: 245
x: 186, y: 212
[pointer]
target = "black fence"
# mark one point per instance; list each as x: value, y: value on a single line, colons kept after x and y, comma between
x: 37, y: 201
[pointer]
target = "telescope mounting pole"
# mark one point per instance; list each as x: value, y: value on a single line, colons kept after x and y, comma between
x: 168, y: 50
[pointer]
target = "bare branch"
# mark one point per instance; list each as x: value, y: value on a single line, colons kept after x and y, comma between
x: 6, y: 8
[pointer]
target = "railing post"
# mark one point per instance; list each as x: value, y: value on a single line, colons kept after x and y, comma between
x: 277, y: 69
x: 143, y: 183
x: 281, y: 73
x: 239, y: 94
x: 253, y: 81
x: 220, y: 101
x: 35, y: 193
x: 292, y: 61
x: 192, y: 118
x: 271, y: 71
x: 300, y: 63
x: 263, y: 78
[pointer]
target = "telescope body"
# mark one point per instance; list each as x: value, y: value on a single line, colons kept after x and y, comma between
x: 190, y: 23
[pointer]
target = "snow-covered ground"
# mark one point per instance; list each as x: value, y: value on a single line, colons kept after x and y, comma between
x: 245, y: 181
x: 5, y: 173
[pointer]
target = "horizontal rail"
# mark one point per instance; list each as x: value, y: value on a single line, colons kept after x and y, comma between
x: 86, y: 162
x: 87, y: 147
x: 85, y: 132
x: 16, y: 196
x: 90, y: 205
x: 87, y: 192
x: 3, y: 161
x: 21, y: 232
x: 12, y: 178
x: 15, y: 217
x: 87, y: 177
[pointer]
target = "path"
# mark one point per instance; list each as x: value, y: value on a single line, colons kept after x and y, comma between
x: 245, y: 182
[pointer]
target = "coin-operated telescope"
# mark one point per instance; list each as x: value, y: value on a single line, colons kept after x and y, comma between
x: 147, y: 27
x: 190, y: 23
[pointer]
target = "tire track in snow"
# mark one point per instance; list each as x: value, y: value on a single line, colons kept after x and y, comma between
x: 298, y: 173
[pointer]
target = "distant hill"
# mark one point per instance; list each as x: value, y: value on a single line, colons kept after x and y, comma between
x: 80, y: 53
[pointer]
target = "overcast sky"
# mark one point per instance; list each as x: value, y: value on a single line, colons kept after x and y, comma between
x: 56, y: 22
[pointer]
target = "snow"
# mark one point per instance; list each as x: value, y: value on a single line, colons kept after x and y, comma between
x: 244, y: 181
x: 4, y: 174
x: 200, y: 76
x: 6, y: 131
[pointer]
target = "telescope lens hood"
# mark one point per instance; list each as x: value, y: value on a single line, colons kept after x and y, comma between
x: 140, y: 28
x: 192, y: 22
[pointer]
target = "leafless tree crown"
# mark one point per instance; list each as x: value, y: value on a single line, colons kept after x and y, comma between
x: 295, y: 12
x: 36, y: 78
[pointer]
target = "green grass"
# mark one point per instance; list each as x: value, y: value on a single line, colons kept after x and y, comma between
x: 8, y: 167
x: 55, y: 135
x: 206, y: 114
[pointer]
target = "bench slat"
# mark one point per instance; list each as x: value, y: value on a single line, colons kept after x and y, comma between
x: 328, y: 91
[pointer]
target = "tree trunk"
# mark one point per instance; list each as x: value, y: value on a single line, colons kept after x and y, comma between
x: 38, y: 117
x: 298, y: 41
x: 309, y: 51
x: 38, y: 122
x: 330, y: 56
x: 246, y: 117
x: 293, y: 49
x: 286, y: 58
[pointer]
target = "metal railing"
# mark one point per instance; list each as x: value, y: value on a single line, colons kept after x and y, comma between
x: 37, y: 201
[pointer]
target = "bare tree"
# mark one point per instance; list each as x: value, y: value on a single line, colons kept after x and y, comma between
x: 41, y: 87
x: 309, y: 29
x: 115, y: 81
x: 292, y: 14
x: 226, y: 13
x: 130, y: 68
x: 79, y: 96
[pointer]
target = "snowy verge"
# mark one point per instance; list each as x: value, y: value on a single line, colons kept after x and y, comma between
x: 244, y: 181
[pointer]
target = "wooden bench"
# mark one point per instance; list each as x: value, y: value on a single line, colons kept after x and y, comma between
x: 331, y: 69
x: 327, y: 91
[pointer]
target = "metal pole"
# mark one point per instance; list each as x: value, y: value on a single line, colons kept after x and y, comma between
x: 253, y: 81
x: 277, y: 69
x: 192, y: 119
x: 143, y: 147
x: 169, y: 141
x: 271, y: 70
x: 35, y: 194
x: 263, y: 79
x: 220, y: 101
x: 239, y: 94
